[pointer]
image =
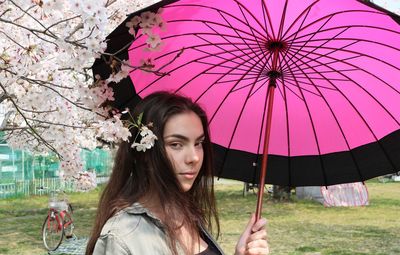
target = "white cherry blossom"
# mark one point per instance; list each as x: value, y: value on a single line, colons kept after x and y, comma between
x: 45, y: 57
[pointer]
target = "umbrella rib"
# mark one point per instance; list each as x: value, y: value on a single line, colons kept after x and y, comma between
x: 226, y: 96
x: 360, y: 115
x: 259, y: 147
x: 338, y: 124
x: 224, y: 66
x: 237, y: 121
x: 245, y: 54
x: 354, y: 41
x: 247, y: 85
x: 269, y: 20
x: 280, y: 92
x: 255, y: 18
x: 264, y: 10
x: 313, y: 129
x: 244, y: 63
x: 235, y: 80
x: 228, y: 14
x: 307, y: 11
x: 216, y: 82
x: 331, y: 16
x: 294, y: 84
x: 302, y: 23
x: 304, y: 44
x: 225, y: 51
x: 203, y: 57
x: 347, y: 27
x: 209, y: 87
x: 367, y: 92
x: 361, y: 54
x: 282, y: 22
x: 234, y: 44
x: 288, y: 78
x: 238, y: 74
x: 176, y: 68
x: 324, y: 55
x: 327, y: 63
x: 343, y: 70
x: 294, y: 93
x: 251, y: 29
x: 255, y: 91
x: 287, y: 132
x: 176, y: 37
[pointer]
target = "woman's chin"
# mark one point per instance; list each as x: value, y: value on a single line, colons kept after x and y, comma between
x: 186, y: 186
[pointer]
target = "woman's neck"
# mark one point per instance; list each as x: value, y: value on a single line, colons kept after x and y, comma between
x: 187, y: 235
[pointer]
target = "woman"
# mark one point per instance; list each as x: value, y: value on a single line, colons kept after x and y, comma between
x: 160, y: 196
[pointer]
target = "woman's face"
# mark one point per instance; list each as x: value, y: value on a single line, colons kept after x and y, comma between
x: 183, y: 139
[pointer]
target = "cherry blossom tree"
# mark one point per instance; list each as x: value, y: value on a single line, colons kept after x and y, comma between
x: 54, y: 104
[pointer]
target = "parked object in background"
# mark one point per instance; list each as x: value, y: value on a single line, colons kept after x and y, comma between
x: 58, y: 223
x: 349, y: 194
x: 389, y: 178
x: 310, y: 192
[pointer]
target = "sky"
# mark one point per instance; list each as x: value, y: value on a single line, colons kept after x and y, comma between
x: 391, y: 5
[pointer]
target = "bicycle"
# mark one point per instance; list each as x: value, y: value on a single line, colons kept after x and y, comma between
x: 58, y: 222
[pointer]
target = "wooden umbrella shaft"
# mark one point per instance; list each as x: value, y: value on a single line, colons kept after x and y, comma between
x: 263, y: 173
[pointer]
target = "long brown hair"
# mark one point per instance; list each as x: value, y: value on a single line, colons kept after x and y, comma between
x: 135, y: 173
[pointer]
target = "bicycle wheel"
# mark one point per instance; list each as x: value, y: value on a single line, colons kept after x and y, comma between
x: 52, y: 232
x: 68, y: 226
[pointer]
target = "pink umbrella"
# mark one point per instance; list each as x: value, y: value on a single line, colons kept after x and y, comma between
x: 320, y: 76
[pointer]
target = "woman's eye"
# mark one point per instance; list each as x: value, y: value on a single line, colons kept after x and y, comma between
x: 199, y: 143
x: 175, y: 145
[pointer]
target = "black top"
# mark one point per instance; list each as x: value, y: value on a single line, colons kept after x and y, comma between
x: 211, y: 249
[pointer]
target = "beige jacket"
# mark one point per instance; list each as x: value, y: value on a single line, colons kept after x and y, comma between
x: 135, y: 231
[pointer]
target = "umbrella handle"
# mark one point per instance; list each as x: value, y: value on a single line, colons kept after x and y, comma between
x: 260, y: 194
x: 261, y: 183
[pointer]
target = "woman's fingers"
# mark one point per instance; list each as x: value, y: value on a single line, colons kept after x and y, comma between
x: 261, y: 234
x: 257, y: 247
x: 260, y: 243
x: 259, y: 225
x: 257, y: 251
x: 253, y: 240
x: 257, y: 241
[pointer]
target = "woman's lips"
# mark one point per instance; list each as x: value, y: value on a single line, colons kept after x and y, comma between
x: 188, y: 175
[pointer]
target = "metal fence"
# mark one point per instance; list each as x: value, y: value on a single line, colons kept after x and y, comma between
x: 33, y: 187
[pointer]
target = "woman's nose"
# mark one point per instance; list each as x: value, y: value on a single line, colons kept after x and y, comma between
x: 192, y: 155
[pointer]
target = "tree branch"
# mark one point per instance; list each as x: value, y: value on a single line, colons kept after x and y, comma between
x: 35, y: 133
x: 57, y: 124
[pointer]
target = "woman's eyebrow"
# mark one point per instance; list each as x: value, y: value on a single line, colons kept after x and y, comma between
x: 177, y: 136
x: 182, y: 137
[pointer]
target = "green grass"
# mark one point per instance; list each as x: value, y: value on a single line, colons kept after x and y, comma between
x: 294, y: 228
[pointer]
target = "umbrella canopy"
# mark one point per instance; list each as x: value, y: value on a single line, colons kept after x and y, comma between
x: 334, y: 66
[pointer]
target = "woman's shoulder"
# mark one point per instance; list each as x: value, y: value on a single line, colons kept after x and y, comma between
x: 132, y: 231
x: 131, y: 219
x: 121, y: 224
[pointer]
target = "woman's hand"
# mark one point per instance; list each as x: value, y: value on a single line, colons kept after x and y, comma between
x: 253, y: 240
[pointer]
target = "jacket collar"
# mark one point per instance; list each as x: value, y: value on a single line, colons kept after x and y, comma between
x: 138, y: 209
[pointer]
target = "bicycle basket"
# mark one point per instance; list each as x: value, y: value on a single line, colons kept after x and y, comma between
x: 56, y: 203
